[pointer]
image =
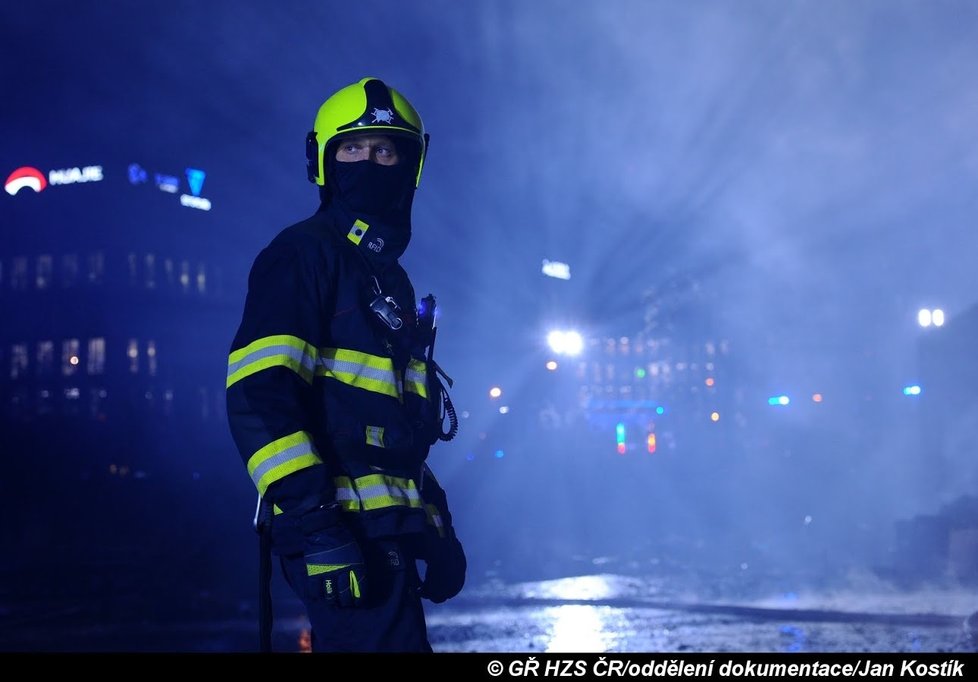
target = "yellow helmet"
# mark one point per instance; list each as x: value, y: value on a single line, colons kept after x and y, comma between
x: 368, y: 105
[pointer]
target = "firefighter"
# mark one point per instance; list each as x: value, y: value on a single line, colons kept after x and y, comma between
x: 333, y: 396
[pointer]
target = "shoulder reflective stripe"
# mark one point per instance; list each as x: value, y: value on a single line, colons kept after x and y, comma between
x: 280, y: 458
x: 357, y: 231
x: 271, y: 351
x: 416, y: 378
x: 375, y: 436
x: 434, y: 518
x: 379, y: 490
x: 361, y: 370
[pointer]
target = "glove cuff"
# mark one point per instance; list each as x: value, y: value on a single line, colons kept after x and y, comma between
x: 321, y: 518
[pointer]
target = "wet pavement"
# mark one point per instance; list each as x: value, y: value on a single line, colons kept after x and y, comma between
x: 585, y: 613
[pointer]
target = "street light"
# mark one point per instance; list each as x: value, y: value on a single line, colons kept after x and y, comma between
x: 565, y: 342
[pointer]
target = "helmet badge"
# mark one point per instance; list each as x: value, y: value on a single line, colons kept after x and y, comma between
x: 376, y: 245
x: 382, y: 116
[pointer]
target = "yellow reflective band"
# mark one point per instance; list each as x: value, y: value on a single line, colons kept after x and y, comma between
x: 319, y: 569
x: 360, y: 370
x: 434, y: 518
x: 346, y: 495
x: 354, y: 585
x: 280, y: 458
x: 416, y: 378
x: 357, y: 231
x: 375, y: 436
x: 281, y: 350
x: 378, y: 491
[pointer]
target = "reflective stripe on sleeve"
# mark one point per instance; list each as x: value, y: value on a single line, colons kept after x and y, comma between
x: 434, y: 519
x: 280, y: 458
x: 273, y: 351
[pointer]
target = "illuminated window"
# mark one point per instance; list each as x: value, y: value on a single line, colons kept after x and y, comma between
x: 18, y: 274
x: 151, y: 357
x: 96, y: 399
x: 45, y: 358
x: 185, y: 275
x: 69, y: 356
x: 150, y: 271
x: 201, y: 278
x: 71, y: 395
x: 132, y: 351
x: 45, y: 401
x: 69, y: 270
x: 133, y: 269
x: 18, y: 360
x: 168, y: 272
x: 96, y: 267
x: 96, y: 356
x: 45, y: 268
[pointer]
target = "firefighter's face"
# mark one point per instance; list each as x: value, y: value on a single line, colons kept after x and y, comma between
x: 377, y: 148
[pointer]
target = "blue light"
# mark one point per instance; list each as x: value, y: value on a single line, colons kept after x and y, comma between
x: 778, y: 400
x: 470, y: 456
x: 660, y: 410
x: 500, y: 454
x: 911, y: 390
x: 195, y: 178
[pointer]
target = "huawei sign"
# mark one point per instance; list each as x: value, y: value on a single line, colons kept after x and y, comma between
x: 28, y: 176
x: 25, y: 176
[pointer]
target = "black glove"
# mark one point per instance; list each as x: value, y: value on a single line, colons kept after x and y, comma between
x: 445, y: 574
x: 334, y: 565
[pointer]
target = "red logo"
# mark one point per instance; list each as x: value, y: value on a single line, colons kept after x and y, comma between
x: 25, y: 177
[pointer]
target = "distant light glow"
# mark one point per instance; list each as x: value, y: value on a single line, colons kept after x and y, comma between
x: 715, y: 416
x: 470, y: 456
x: 923, y: 317
x: 495, y: 392
x: 808, y: 519
x: 913, y: 389
x: 640, y: 372
x: 73, y: 359
x: 937, y: 317
x: 556, y: 269
x: 778, y: 400
x: 650, y: 443
x: 621, y: 448
x: 620, y: 437
x: 565, y: 342
x: 503, y: 409
x: 500, y: 454
x: 660, y: 410
x: 552, y: 365
x: 709, y: 381
x: 817, y: 397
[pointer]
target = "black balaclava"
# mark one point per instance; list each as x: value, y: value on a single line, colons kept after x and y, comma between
x: 371, y: 190
x: 380, y: 196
